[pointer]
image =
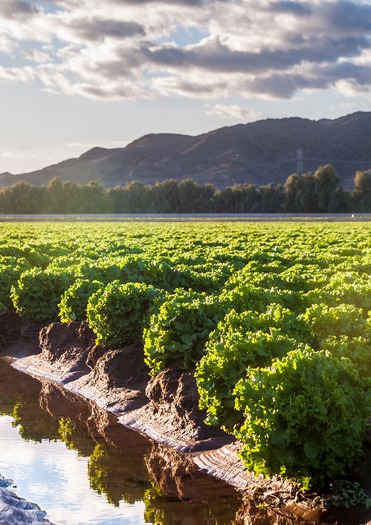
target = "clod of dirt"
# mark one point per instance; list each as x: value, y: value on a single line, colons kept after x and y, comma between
x: 66, y: 343
x: 16, y: 332
x: 174, y: 398
x: 123, y: 367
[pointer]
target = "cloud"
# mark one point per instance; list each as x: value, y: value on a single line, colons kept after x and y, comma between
x: 17, y: 74
x: 139, y: 49
x: 97, y: 29
x: 17, y: 8
x: 295, y: 8
x: 232, y: 111
x: 189, y: 3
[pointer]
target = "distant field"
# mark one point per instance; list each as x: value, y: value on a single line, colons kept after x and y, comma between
x: 272, y: 317
x: 186, y: 217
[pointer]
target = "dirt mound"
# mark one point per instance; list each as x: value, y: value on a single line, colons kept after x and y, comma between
x: 66, y: 343
x: 172, y: 415
x: 123, y: 367
x: 168, y: 403
x: 174, y: 396
x: 15, y: 330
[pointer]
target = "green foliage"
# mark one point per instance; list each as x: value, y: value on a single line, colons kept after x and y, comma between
x: 98, y: 473
x: 240, y: 341
x: 65, y: 431
x: 153, y: 512
x: 283, y: 285
x: 38, y: 293
x: 357, y: 350
x: 117, y: 313
x: 177, y: 332
x: 247, y: 296
x: 9, y: 274
x: 206, y: 277
x: 344, y: 319
x: 73, y: 304
x: 345, y: 493
x: 244, y: 297
x: 351, y: 288
x: 305, y: 417
x: 27, y: 253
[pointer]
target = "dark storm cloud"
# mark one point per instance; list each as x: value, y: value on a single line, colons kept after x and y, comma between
x: 347, y: 16
x: 217, y: 57
x: 17, y: 8
x: 345, y: 71
x: 97, y: 29
x: 122, y: 67
x: 279, y: 86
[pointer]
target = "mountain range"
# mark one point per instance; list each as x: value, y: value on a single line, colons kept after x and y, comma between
x: 262, y: 152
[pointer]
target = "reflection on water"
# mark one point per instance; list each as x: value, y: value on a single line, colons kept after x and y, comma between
x: 82, y: 467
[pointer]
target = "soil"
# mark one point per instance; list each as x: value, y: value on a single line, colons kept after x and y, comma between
x: 164, y: 408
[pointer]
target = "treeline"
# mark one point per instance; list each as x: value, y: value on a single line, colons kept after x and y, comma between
x: 319, y: 192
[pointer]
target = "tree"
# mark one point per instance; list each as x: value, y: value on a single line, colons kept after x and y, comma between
x: 362, y: 191
x: 244, y: 197
x: 329, y: 190
x: 165, y: 196
x: 300, y: 194
x: 195, y: 198
x: 137, y: 197
x: 271, y: 199
x: 55, y: 196
x: 94, y: 198
x: 117, y: 199
x: 72, y: 197
x: 21, y: 198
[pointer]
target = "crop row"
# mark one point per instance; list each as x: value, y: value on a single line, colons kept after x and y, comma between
x: 273, y: 319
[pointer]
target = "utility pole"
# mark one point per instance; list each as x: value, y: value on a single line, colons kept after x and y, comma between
x: 299, y: 161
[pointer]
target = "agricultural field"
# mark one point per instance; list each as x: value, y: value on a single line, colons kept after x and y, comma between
x: 272, y: 318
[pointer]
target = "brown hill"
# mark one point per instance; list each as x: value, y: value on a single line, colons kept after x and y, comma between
x: 258, y: 153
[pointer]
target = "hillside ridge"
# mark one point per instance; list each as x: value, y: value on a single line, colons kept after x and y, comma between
x: 261, y: 152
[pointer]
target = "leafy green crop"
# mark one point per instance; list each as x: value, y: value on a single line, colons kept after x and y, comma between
x: 344, y: 319
x: 117, y: 313
x: 351, y: 288
x: 227, y: 299
x: 74, y: 301
x: 10, y: 270
x: 241, y: 341
x: 356, y: 349
x: 304, y: 417
x: 38, y: 293
x: 177, y: 332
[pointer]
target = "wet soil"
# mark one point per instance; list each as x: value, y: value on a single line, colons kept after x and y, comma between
x: 164, y: 408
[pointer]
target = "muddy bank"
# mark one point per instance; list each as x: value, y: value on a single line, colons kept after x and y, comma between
x: 164, y: 408
x: 124, y: 466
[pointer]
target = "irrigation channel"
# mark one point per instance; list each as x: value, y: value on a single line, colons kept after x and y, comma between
x: 83, y: 468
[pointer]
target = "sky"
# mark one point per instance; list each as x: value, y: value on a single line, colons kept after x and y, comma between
x: 75, y: 74
x: 56, y: 478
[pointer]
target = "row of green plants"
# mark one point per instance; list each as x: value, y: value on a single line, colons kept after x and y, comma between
x: 273, y: 320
